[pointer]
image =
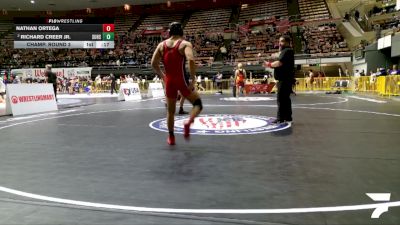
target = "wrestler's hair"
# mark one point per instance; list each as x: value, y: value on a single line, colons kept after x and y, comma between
x: 175, y: 29
x: 286, y: 38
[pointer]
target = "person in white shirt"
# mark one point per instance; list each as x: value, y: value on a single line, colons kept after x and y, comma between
x: 97, y: 83
x: 394, y: 70
x: 2, y: 89
x: 218, y: 80
x: 310, y: 79
x: 199, y: 86
x: 356, y: 78
x: 372, y: 78
x: 129, y: 79
x: 156, y: 79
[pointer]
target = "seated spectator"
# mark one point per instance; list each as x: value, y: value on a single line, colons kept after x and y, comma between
x: 394, y: 71
x: 381, y: 72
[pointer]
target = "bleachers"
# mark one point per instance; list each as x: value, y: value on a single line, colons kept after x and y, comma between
x: 324, y: 40
x: 391, y: 23
x: 205, y: 46
x: 123, y: 23
x: 208, y: 20
x: 255, y: 47
x: 5, y: 26
x: 161, y: 20
x: 277, y: 8
x: 8, y: 40
x: 203, y: 29
x: 313, y: 10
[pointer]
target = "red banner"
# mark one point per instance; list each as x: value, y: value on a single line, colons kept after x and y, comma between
x: 259, y: 88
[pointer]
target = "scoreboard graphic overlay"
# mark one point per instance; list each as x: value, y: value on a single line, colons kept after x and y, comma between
x: 64, y: 33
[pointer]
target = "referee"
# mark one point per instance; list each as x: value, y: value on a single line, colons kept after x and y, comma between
x: 284, y: 74
x: 51, y: 79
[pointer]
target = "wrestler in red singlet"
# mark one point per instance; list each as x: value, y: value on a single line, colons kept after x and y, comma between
x: 174, y: 52
x: 240, y: 79
x: 174, y: 64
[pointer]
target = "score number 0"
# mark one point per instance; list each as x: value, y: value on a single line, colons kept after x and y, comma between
x: 108, y: 27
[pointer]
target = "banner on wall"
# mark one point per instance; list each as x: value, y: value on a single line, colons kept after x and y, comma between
x: 156, y: 90
x: 129, y: 91
x: 39, y: 73
x: 25, y: 99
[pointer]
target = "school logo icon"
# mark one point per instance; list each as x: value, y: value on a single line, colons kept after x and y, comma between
x: 248, y: 99
x: 223, y: 124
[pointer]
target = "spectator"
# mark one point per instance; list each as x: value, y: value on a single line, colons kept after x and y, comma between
x: 240, y: 78
x: 2, y: 89
x: 356, y: 78
x: 394, y: 70
x: 199, y: 86
x: 357, y: 15
x: 113, y: 84
x: 218, y: 80
x: 347, y: 16
x: 310, y: 78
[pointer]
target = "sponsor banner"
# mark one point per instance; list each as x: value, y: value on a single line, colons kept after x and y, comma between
x: 223, y: 124
x: 3, y: 108
x: 39, y: 73
x: 313, y: 61
x: 259, y: 88
x: 78, y: 72
x: 156, y: 90
x: 129, y: 91
x: 25, y: 99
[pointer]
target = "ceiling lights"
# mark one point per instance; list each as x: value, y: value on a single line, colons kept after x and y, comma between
x: 127, y: 7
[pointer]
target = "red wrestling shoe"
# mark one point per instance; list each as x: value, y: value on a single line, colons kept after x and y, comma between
x: 186, y: 130
x: 171, y: 140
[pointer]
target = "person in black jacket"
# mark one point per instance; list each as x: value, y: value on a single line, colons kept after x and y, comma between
x: 113, y: 84
x: 51, y: 79
x: 284, y: 74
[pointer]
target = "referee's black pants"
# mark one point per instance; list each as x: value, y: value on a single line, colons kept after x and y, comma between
x: 113, y: 88
x: 55, y: 90
x: 284, y: 102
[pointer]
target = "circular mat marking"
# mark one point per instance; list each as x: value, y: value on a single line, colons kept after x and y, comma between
x: 248, y: 99
x: 223, y: 124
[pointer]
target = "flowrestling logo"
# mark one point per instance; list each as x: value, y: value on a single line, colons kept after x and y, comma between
x: 31, y: 98
x: 223, y: 124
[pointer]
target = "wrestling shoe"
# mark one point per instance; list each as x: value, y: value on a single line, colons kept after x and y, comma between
x: 171, y: 140
x: 186, y: 130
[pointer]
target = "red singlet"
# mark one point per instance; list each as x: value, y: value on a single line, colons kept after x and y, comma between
x: 240, y: 79
x: 174, y: 64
